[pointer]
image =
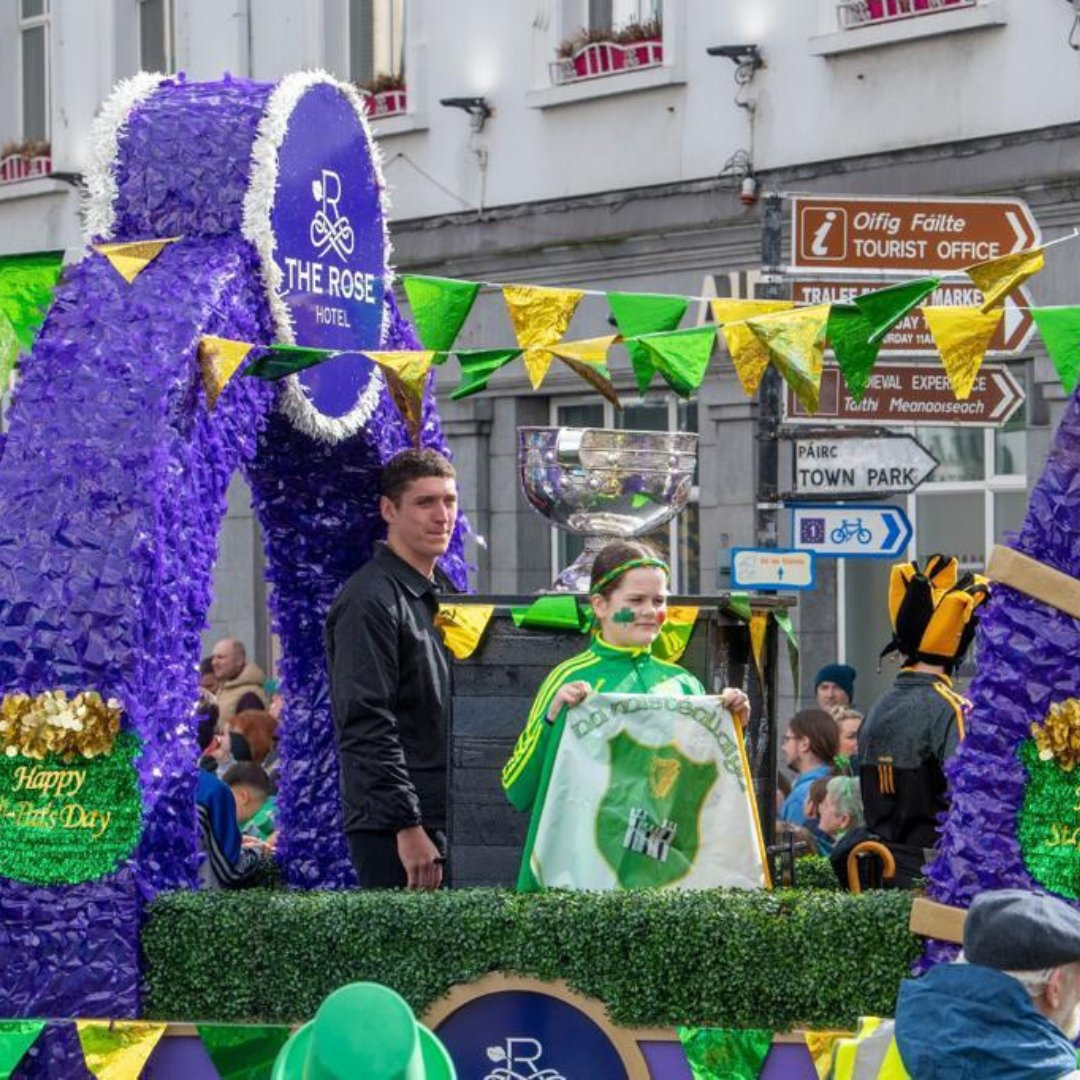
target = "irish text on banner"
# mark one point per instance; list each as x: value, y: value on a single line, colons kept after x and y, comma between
x: 649, y: 791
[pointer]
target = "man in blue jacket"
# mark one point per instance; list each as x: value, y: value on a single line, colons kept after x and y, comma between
x: 1010, y: 1007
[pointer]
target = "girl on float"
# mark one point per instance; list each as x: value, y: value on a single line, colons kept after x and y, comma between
x: 628, y: 593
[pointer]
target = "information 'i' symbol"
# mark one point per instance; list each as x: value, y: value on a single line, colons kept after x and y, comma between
x: 820, y: 246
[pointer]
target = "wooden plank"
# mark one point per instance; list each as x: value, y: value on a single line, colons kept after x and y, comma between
x: 941, y: 921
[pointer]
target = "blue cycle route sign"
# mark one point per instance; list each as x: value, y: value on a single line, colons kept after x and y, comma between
x: 850, y: 530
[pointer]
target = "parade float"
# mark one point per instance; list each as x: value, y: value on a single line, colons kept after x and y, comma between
x: 233, y: 311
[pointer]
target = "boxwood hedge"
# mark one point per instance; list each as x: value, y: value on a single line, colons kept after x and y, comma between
x: 778, y: 960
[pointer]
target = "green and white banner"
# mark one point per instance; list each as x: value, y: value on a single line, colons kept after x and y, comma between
x: 649, y: 792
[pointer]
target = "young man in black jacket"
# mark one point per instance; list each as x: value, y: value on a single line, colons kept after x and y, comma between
x: 390, y: 682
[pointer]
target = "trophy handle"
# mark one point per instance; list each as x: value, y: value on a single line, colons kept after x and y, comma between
x: 568, y: 445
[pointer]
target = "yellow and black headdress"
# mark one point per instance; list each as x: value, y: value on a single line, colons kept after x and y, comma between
x: 933, y: 611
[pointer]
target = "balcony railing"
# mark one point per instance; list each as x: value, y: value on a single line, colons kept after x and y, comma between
x: 854, y: 13
x: 600, y: 58
x: 386, y: 103
x: 16, y: 167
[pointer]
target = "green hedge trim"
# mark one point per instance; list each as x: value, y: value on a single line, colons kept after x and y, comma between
x: 712, y: 958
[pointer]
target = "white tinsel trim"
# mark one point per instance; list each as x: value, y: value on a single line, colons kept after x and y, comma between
x: 258, y: 204
x: 99, y: 201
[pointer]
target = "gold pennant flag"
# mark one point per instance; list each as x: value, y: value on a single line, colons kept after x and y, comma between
x: 675, y: 633
x: 219, y: 359
x: 462, y: 626
x: 962, y: 336
x: 820, y: 1044
x: 759, y: 627
x: 406, y: 376
x: 587, y: 359
x: 996, y: 278
x: 796, y: 343
x: 748, y: 355
x: 129, y: 260
x: 540, y: 316
x: 117, y: 1050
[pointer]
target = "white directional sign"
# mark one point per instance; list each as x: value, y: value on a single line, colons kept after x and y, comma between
x: 771, y: 568
x: 831, y: 467
x: 849, y: 531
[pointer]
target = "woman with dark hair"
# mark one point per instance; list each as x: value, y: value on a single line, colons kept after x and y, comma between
x: 628, y: 594
x: 809, y: 749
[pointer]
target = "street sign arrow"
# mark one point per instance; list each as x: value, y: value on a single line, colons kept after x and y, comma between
x: 851, y: 531
x: 834, y: 466
x: 771, y: 568
x: 903, y: 395
x: 911, y: 335
x: 901, y: 235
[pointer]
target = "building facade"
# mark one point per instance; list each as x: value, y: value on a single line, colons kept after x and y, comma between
x: 634, y: 157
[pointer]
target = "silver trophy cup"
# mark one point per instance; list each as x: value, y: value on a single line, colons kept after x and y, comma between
x: 604, y: 484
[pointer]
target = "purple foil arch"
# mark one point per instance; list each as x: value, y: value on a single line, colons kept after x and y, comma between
x: 112, y: 491
x: 1026, y: 661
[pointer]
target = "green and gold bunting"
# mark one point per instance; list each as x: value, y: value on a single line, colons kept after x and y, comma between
x: 731, y: 1053
x: 848, y: 332
x: 586, y: 359
x: 884, y: 308
x: 462, y: 626
x: 540, y: 317
x: 406, y: 376
x: 682, y: 356
x: 16, y: 1037
x: 796, y: 343
x: 962, y: 336
x: 549, y: 613
x: 759, y: 629
x: 26, y: 290
x: 243, y: 1051
x: 440, y: 307
x: 282, y: 360
x: 219, y: 360
x: 996, y: 278
x: 675, y: 633
x: 1059, y: 328
x: 477, y: 366
x: 783, y: 620
x: 117, y: 1049
x: 644, y: 313
x: 130, y: 259
x: 749, y: 357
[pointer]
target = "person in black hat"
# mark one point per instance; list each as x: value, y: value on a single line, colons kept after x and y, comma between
x: 1010, y: 1006
x: 834, y: 685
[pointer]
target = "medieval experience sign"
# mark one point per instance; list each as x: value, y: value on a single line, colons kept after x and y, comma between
x: 63, y: 822
x: 906, y: 394
x: 904, y: 235
x: 649, y: 791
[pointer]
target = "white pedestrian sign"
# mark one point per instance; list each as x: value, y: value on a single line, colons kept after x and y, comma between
x: 771, y: 568
x: 831, y: 467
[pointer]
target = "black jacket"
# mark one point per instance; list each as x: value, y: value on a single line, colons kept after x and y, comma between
x: 390, y: 693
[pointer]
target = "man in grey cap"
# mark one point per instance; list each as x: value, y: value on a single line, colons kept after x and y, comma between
x: 1009, y: 1006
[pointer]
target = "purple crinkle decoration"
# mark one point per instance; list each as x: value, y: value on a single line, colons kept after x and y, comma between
x: 1026, y: 661
x: 112, y: 492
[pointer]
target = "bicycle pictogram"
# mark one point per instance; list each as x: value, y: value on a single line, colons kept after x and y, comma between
x: 852, y: 529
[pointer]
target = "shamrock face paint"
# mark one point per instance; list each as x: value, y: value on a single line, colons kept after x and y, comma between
x: 624, y: 616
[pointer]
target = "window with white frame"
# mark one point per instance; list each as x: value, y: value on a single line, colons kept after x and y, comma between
x: 34, y: 68
x: 617, y: 14
x: 678, y: 540
x: 157, y: 49
x: 376, y: 40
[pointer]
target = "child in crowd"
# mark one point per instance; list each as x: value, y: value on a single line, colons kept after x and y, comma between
x: 628, y: 593
x: 256, y: 800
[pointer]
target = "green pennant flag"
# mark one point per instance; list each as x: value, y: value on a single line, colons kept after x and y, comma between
x: 783, y: 620
x: 243, y: 1051
x: 731, y: 1053
x: 682, y: 356
x: 16, y: 1037
x: 739, y: 602
x: 282, y: 360
x: 477, y: 366
x: 26, y: 288
x: 848, y: 331
x: 549, y: 613
x: 440, y: 307
x: 644, y: 313
x: 884, y: 308
x: 1059, y: 327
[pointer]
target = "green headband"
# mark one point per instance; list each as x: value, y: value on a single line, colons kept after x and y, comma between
x: 622, y: 568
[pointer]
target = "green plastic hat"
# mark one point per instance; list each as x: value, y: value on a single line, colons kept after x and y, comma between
x: 364, y: 1030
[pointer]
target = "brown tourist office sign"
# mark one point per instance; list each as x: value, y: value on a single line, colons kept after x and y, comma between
x: 902, y: 235
x: 911, y: 334
x: 903, y: 394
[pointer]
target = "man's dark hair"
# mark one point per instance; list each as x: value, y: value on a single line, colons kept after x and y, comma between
x: 820, y: 728
x: 402, y: 469
x: 248, y: 774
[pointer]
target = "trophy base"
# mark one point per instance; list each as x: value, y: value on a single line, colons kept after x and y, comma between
x: 575, y: 578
